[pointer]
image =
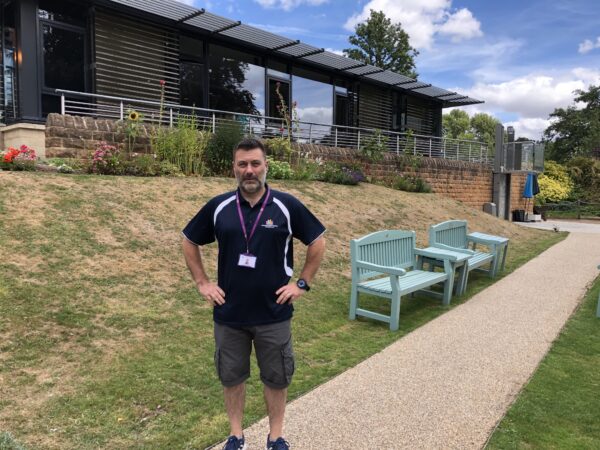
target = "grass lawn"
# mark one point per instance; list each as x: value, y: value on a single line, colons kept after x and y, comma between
x: 560, y: 406
x: 104, y: 342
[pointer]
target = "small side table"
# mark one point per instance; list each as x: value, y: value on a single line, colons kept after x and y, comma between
x: 498, y: 244
x: 459, y: 266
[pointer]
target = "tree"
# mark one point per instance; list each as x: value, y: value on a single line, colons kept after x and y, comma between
x: 383, y: 45
x: 456, y: 124
x: 575, y: 132
x: 483, y: 127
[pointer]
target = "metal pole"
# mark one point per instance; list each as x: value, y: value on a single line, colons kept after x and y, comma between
x: 121, y: 110
x: 335, y: 144
x: 214, y: 123
x: 358, y: 141
x: 469, y: 152
x: 62, y: 104
x: 430, y: 142
x: 397, y: 144
x: 415, y: 146
x: 170, y: 117
x: 310, y: 133
x: 444, y: 148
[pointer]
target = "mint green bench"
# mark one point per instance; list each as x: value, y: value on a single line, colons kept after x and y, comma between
x: 385, y: 264
x: 453, y: 235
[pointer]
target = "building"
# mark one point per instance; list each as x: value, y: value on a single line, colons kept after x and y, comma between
x: 124, y: 48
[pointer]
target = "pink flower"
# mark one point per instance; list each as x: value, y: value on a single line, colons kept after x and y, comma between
x: 162, y: 82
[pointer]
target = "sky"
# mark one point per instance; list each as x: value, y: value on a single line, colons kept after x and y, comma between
x: 523, y: 58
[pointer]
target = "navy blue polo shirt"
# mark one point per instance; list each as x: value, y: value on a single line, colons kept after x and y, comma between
x: 250, y: 293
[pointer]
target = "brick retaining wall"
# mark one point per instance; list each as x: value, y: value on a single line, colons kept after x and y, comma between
x: 471, y: 183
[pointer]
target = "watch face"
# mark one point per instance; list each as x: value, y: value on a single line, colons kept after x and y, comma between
x: 302, y: 284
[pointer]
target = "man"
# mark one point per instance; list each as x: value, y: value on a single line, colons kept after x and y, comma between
x: 252, y: 300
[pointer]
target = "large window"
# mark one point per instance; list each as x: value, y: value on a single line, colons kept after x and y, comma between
x: 314, y: 100
x: 236, y: 81
x: 192, y: 72
x: 63, y: 45
x: 9, y: 58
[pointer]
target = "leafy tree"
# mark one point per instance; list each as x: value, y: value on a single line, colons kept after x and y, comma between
x: 575, y: 132
x: 383, y: 44
x: 456, y: 124
x: 483, y: 127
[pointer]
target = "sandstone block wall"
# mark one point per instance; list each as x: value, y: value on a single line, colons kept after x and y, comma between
x: 77, y: 137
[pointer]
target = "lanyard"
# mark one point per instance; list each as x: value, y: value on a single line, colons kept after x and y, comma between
x: 239, y: 208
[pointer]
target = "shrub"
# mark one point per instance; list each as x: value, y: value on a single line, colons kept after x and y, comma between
x: 183, y: 145
x: 408, y: 183
x: 218, y: 155
x: 375, y: 146
x: 339, y: 174
x: 555, y: 183
x: 23, y: 158
x: 279, y: 147
x: 280, y: 170
x: 106, y: 160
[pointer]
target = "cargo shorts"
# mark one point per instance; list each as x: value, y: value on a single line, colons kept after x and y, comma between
x: 274, y: 353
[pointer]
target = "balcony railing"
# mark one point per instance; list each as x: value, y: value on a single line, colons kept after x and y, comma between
x: 104, y: 106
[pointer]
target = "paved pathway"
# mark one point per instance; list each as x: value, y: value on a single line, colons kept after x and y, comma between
x: 447, y: 384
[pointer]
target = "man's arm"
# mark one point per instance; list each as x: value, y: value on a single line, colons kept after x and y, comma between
x: 209, y: 290
x: 314, y: 256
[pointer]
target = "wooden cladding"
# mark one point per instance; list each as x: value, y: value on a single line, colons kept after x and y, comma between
x: 374, y: 107
x: 131, y: 58
x: 421, y: 116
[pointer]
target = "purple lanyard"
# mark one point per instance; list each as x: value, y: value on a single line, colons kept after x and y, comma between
x: 239, y: 208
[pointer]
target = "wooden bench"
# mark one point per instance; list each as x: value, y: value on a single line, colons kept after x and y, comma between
x: 453, y: 235
x: 384, y: 264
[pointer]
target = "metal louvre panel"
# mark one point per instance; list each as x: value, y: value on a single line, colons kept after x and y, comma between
x: 362, y: 70
x: 331, y: 60
x: 256, y: 36
x: 389, y: 77
x: 419, y: 116
x: 210, y: 22
x: 165, y: 8
x: 374, y: 107
x: 432, y: 91
x: 298, y: 49
x: 134, y: 57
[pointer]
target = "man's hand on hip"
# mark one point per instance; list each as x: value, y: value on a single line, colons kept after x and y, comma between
x: 289, y: 293
x: 212, y: 293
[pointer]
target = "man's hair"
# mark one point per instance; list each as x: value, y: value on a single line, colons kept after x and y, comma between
x: 249, y: 144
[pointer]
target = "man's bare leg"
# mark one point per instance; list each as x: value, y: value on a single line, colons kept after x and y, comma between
x: 275, y: 400
x: 235, y: 397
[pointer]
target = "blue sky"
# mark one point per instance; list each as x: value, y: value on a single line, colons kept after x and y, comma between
x: 523, y: 58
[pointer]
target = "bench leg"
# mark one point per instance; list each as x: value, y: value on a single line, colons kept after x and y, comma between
x: 395, y: 313
x: 448, y: 284
x: 353, y: 303
x: 504, y: 256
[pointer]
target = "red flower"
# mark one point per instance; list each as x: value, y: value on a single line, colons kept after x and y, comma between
x: 162, y: 82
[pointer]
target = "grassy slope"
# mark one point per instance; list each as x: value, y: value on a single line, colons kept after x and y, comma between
x: 103, y: 339
x: 559, y: 407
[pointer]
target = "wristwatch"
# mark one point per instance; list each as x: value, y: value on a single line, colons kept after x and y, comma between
x: 302, y: 284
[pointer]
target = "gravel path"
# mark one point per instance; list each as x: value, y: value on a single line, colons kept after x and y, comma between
x: 447, y: 384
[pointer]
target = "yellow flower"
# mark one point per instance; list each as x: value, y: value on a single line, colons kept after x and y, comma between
x: 134, y: 116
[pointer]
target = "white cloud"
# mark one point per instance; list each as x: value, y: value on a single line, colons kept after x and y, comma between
x: 288, y: 5
x: 587, y: 45
x: 531, y: 98
x: 461, y: 25
x: 423, y: 20
x: 187, y: 2
x: 337, y: 52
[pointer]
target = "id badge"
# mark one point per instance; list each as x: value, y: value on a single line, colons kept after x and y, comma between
x: 247, y: 260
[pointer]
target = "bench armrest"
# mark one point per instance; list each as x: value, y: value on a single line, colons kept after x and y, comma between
x: 484, y: 241
x: 467, y: 251
x: 435, y: 255
x: 382, y: 269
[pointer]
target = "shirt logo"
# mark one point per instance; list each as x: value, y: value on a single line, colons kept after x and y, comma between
x: 269, y: 224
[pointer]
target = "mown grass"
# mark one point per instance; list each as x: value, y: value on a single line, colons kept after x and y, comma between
x: 103, y: 340
x: 560, y: 406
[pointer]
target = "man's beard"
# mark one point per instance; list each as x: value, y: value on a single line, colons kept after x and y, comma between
x: 252, y: 188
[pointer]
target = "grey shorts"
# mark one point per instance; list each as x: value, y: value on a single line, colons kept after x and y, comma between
x: 274, y: 353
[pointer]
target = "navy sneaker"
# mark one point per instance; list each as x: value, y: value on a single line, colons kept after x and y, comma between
x: 278, y: 444
x: 233, y: 443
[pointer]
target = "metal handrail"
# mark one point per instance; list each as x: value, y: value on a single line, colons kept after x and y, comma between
x: 308, y: 132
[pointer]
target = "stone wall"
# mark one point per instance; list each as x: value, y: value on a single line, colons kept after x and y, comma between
x: 471, y: 183
x: 76, y: 137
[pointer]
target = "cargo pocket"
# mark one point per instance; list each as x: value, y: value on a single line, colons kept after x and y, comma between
x: 287, y: 353
x: 217, y: 358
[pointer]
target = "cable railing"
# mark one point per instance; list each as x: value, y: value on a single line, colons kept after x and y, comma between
x: 167, y: 114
